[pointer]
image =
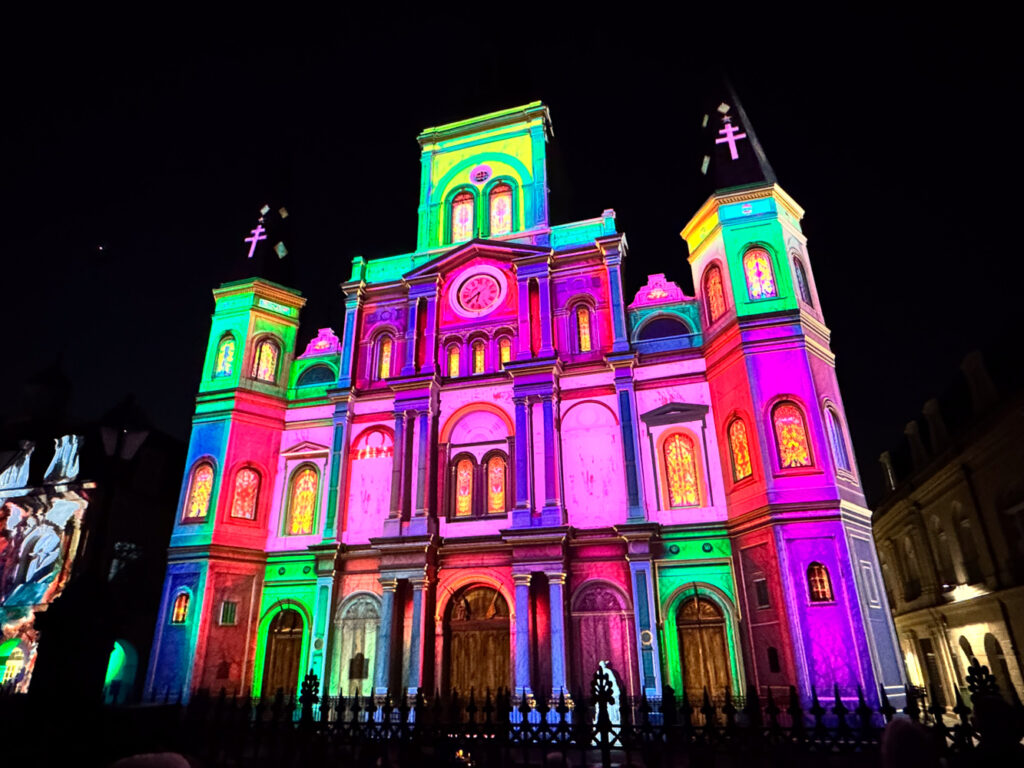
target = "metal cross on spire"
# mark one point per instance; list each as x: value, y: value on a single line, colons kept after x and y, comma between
x: 258, y: 233
x: 730, y: 137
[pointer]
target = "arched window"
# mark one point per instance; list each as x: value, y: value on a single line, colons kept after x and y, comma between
x: 969, y: 551
x: 714, y: 293
x: 583, y: 328
x: 912, y: 571
x: 247, y: 490
x: 836, y: 440
x: 462, y: 216
x: 819, y: 584
x: 501, y: 209
x: 302, y: 502
x: 180, y: 610
x: 757, y: 266
x: 496, y: 495
x: 373, y: 444
x: 504, y: 350
x: 790, y: 436
x: 13, y: 665
x: 264, y: 364
x: 384, y: 357
x: 317, y: 374
x: 802, y: 286
x: 462, y: 496
x: 200, y: 489
x: 224, y: 363
x: 478, y: 356
x: 739, y: 450
x: 681, y: 471
x: 453, y: 361
x: 944, y: 556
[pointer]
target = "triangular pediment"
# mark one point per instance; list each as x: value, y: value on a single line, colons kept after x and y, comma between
x: 463, y: 254
x: 305, y: 448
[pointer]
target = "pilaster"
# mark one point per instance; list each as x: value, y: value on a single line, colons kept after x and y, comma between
x: 522, y: 649
x: 556, y: 592
x: 382, y: 657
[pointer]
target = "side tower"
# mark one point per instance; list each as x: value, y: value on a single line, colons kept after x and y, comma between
x: 205, y: 634
x: 809, y: 581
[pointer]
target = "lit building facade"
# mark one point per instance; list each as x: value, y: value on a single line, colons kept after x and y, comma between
x: 505, y: 471
x: 950, y: 536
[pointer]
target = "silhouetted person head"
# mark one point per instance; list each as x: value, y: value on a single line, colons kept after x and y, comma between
x: 906, y: 743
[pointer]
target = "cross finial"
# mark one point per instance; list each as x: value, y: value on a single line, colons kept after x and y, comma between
x: 258, y: 233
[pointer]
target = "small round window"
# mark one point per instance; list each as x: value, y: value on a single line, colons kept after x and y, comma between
x: 480, y: 174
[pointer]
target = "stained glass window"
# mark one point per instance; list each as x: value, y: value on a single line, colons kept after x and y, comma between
x: 302, y: 505
x: 681, y: 471
x: 384, y: 366
x: 714, y: 293
x: 835, y: 438
x: 801, y: 282
x: 462, y: 217
x: 757, y: 265
x: 791, y: 436
x: 505, y: 349
x: 453, y: 362
x: 464, y: 488
x: 819, y: 584
x: 740, y: 450
x: 264, y: 366
x: 199, y: 492
x: 583, y: 328
x: 501, y: 209
x: 478, y: 357
x: 496, y: 486
x: 180, y: 610
x: 247, y: 489
x: 225, y: 362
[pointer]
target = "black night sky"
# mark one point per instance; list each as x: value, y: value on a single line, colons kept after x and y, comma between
x: 135, y: 159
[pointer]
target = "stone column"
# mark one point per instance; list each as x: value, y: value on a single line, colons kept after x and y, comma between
x: 430, y: 331
x: 523, y: 336
x: 393, y: 525
x: 522, y: 596
x: 417, y: 641
x: 339, y: 466
x: 645, y: 626
x: 382, y: 656
x: 409, y: 348
x: 552, y: 514
x: 544, y: 286
x: 631, y: 450
x: 521, y: 513
x: 613, y: 260
x: 422, y: 461
x: 353, y: 305
x: 556, y: 597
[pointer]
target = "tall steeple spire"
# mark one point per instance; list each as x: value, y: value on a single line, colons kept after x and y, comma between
x: 732, y: 156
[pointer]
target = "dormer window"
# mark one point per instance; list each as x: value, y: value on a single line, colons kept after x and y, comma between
x: 501, y: 209
x: 462, y: 216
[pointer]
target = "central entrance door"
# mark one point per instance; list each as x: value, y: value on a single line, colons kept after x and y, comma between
x: 477, y: 639
x: 284, y: 649
x: 703, y: 648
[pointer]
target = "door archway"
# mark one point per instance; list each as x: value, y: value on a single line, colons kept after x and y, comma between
x: 703, y: 647
x: 283, y: 655
x: 477, y: 644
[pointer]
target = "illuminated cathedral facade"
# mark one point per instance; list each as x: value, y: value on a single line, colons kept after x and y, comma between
x: 503, y: 471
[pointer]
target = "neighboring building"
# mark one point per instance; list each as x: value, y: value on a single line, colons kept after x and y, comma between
x: 503, y: 473
x: 950, y: 536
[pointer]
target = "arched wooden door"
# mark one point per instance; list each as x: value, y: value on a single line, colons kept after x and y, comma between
x: 602, y: 628
x: 284, y: 650
x: 703, y: 648
x: 477, y: 639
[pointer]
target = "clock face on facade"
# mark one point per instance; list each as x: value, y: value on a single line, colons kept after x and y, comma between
x: 478, y: 292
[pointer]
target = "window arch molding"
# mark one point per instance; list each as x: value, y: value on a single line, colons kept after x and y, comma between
x: 835, y: 431
x: 583, y: 301
x: 255, y: 364
x: 485, y: 200
x: 771, y: 410
x: 261, y: 489
x: 173, y: 618
x: 801, y: 277
x: 288, y: 524
x: 650, y: 320
x: 768, y: 288
x: 699, y: 476
x: 714, y: 264
x: 224, y: 361
x: 741, y: 417
x: 449, y: 211
x: 380, y: 333
x: 302, y: 380
x: 211, y: 462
